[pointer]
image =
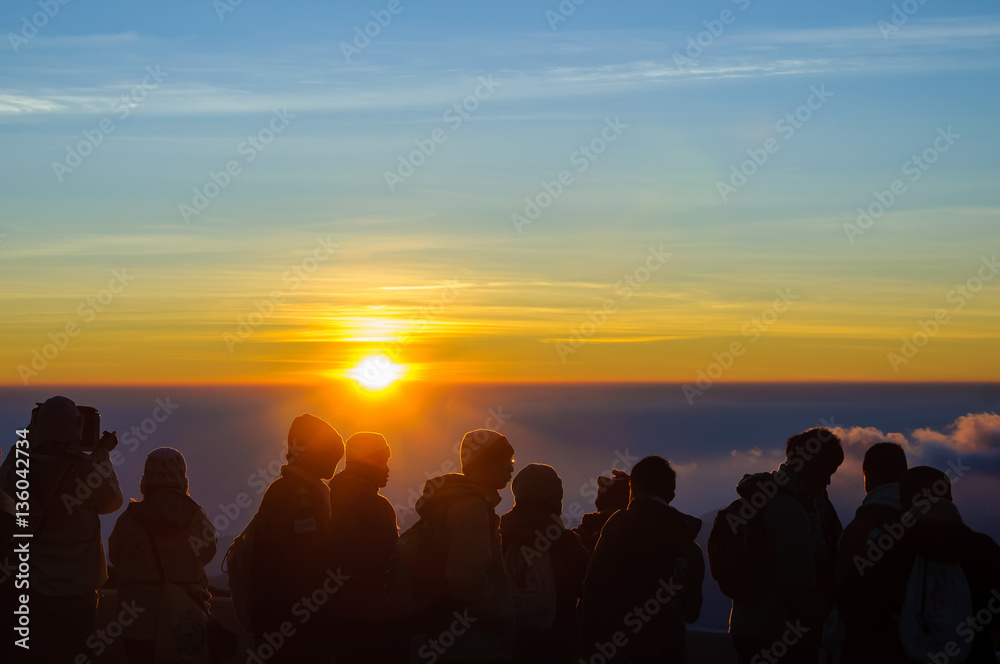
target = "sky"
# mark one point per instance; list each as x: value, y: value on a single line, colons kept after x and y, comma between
x: 225, y: 192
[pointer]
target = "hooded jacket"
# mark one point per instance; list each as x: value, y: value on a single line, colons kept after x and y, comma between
x: 292, y: 559
x: 472, y: 569
x: 646, y: 556
x: 940, y: 535
x: 862, y: 599
x: 802, y: 530
x: 528, y: 531
x: 185, y: 540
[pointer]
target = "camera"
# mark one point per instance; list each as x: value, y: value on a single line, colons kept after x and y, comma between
x: 91, y: 435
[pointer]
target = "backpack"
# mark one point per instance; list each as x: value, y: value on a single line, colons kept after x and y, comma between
x: 937, y: 599
x: 237, y: 565
x: 534, y: 588
x: 417, y: 588
x: 738, y: 553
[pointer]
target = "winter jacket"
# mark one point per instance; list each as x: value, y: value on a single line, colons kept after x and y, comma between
x: 292, y: 560
x: 862, y: 598
x: 185, y: 542
x: 482, y: 619
x: 802, y: 530
x: 67, y: 554
x: 528, y: 532
x: 364, y: 535
x: 643, y: 583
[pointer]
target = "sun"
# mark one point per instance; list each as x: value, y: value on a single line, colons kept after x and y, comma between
x: 376, y: 372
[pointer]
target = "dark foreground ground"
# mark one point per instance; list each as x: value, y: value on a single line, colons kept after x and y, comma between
x: 705, y: 648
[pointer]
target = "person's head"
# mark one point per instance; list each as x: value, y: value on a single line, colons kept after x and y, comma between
x: 368, y: 453
x: 538, y: 486
x: 165, y: 469
x: 815, y: 455
x: 652, y: 477
x: 923, y: 483
x: 487, y: 458
x: 884, y: 464
x: 314, y: 445
x: 612, y: 492
x: 58, y: 421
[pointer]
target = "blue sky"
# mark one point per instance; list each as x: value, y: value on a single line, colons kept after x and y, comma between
x: 687, y: 127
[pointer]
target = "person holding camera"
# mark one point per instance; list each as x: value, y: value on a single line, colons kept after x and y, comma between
x: 69, y: 490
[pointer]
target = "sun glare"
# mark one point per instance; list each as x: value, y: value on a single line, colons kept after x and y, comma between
x: 376, y: 372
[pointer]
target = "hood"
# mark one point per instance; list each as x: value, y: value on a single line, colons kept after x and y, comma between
x: 685, y: 525
x: 784, y: 479
x: 524, y: 522
x: 939, y: 533
x: 440, y: 492
x: 886, y: 495
x: 165, y: 510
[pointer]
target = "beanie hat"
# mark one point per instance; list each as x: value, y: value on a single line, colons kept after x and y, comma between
x: 366, y: 447
x: 538, y: 485
x: 165, y: 468
x: 483, y: 443
x: 307, y: 432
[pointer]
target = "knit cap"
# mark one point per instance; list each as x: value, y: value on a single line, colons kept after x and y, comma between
x: 165, y: 467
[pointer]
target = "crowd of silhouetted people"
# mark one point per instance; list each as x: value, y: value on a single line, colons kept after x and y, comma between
x: 322, y: 574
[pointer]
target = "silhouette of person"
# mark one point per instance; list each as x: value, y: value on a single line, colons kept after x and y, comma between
x: 870, y: 630
x: 69, y: 490
x: 291, y: 551
x: 164, y: 539
x: 364, y: 536
x: 644, y: 579
x: 937, y: 533
x: 612, y: 495
x: 801, y: 532
x: 478, y: 622
x: 549, y: 560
